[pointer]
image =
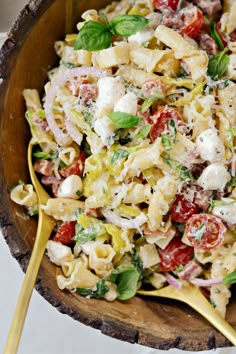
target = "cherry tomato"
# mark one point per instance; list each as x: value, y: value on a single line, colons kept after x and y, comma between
x: 165, y: 4
x: 182, y: 209
x: 65, y: 233
x: 77, y: 167
x: 175, y: 255
x: 160, y: 121
x: 192, y: 21
x: 205, y: 231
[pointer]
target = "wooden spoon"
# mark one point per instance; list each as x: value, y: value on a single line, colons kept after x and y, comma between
x: 192, y: 295
x: 45, y: 227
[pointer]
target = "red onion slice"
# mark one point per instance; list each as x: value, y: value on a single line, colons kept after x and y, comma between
x: 206, y: 282
x: 117, y: 220
x: 173, y: 281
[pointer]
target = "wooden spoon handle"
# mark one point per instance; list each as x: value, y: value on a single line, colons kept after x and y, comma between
x: 45, y: 227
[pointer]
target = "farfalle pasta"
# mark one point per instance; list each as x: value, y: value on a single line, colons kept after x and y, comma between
x: 135, y: 141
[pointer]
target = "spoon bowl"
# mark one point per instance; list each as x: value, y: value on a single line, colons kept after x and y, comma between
x: 192, y: 296
x: 45, y: 227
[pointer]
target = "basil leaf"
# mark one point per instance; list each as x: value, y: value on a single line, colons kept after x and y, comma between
x: 124, y: 120
x: 93, y: 36
x: 229, y: 278
x: 119, y: 154
x: 144, y: 131
x: 215, y: 35
x: 98, y: 293
x: 126, y: 279
x: 218, y: 64
x: 90, y: 233
x: 126, y: 25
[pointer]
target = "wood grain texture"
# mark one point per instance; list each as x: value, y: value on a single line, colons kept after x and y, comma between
x: 25, y: 59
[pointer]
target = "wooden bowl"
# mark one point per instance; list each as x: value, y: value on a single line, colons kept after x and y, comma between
x: 25, y: 59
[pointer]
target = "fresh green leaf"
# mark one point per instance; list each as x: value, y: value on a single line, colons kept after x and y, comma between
x: 124, y: 120
x: 217, y: 203
x: 93, y: 36
x: 90, y: 233
x: 215, y: 36
x: 231, y: 134
x: 218, y: 64
x: 42, y: 155
x: 67, y: 65
x: 182, y: 72
x: 79, y: 193
x: 150, y: 100
x: 182, y: 171
x: 126, y: 25
x: 229, y: 278
x: 126, y: 279
x: 198, y: 234
x: 118, y: 155
x: 166, y: 141
x: 78, y: 212
x: 179, y: 268
x: 231, y: 183
x: 137, y: 262
x: 180, y: 5
x: 172, y: 129
x: 98, y: 293
x: 212, y: 302
x: 144, y: 131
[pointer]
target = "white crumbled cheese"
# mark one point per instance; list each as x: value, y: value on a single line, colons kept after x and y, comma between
x: 71, y: 187
x: 210, y: 146
x: 128, y: 104
x: 214, y: 176
x: 105, y: 129
x: 58, y: 253
x: 226, y: 211
x: 142, y: 36
x: 110, y: 90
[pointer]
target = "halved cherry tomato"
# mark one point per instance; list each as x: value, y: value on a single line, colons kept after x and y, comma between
x: 160, y: 121
x: 205, y: 231
x: 65, y: 233
x: 182, y: 209
x: 192, y: 21
x: 77, y: 167
x: 175, y: 254
x: 165, y: 4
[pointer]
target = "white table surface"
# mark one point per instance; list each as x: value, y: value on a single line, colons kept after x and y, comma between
x: 47, y: 331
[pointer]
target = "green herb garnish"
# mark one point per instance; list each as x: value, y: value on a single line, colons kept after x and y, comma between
x: 98, y: 293
x: 229, y: 278
x: 124, y: 120
x: 126, y: 279
x: 118, y: 155
x: 218, y: 64
x: 82, y: 235
x: 215, y: 36
x: 95, y: 36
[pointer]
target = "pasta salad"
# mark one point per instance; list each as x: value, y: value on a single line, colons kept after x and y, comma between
x: 135, y: 142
